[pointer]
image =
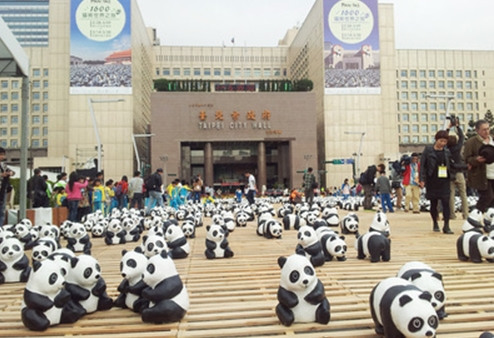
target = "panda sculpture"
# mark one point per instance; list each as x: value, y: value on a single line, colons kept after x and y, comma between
x: 46, y: 302
x: 380, y: 223
x: 349, y: 224
x: 43, y: 248
x: 86, y: 286
x: 301, y: 294
x: 270, y: 228
x: 189, y: 228
x: 474, y: 246
x: 375, y: 245
x: 115, y: 233
x: 178, y: 247
x: 99, y: 229
x: 153, y: 245
x: 489, y: 220
x: 132, y: 266
x: 331, y: 216
x: 217, y: 243
x: 292, y: 221
x: 400, y: 309
x: 24, y: 235
x: 426, y: 279
x: 241, y: 218
x: 309, y: 245
x: 333, y: 245
x: 78, y: 239
x: 229, y: 221
x: 132, y: 229
x: 473, y: 222
x: 167, y: 295
x: 14, y: 264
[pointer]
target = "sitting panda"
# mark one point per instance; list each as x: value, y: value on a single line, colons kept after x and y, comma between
x: 333, y: 246
x: 178, y: 247
x: 373, y: 244
x: 189, y: 228
x: 78, y: 239
x: 167, y: 295
x: 14, y: 264
x: 301, y: 294
x: 380, y: 223
x: 115, y: 233
x: 426, y: 279
x: 475, y: 246
x: 309, y: 245
x: 46, y: 302
x: 217, y: 243
x: 400, y: 309
x: 132, y: 267
x: 473, y: 222
x: 86, y: 286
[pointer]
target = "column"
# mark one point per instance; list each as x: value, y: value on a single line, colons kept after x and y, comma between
x: 208, y: 164
x: 261, y: 165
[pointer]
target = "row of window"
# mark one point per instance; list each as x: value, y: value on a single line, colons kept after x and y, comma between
x: 14, y: 108
x: 460, y: 106
x: 219, y: 58
x: 416, y: 139
x: 14, y: 84
x: 237, y: 72
x: 432, y: 117
x: 37, y: 72
x: 423, y: 95
x: 14, y: 143
x: 14, y: 131
x: 433, y: 84
x: 35, y: 119
x: 440, y: 73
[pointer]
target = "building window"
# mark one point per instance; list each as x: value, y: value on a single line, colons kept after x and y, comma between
x: 4, y: 96
x: 36, y: 96
x: 458, y: 73
x: 186, y: 71
x: 415, y: 117
x: 440, y: 73
x: 247, y: 72
x: 15, y: 84
x: 413, y: 84
x: 176, y: 71
x: 432, y: 84
x: 35, y: 143
x: 14, y: 108
x: 3, y: 143
x: 207, y: 71
x: 227, y: 72
x: 449, y: 73
x: 404, y: 84
x: 434, y: 117
x: 35, y: 131
x: 197, y: 71
x: 406, y: 139
x: 451, y: 84
x: 468, y: 73
x: 413, y: 73
x: 36, y: 107
x: 3, y: 131
x: 45, y: 71
x: 423, y: 84
x: 15, y: 96
x: 36, y: 84
x: 267, y: 71
x: 45, y: 119
x: 45, y: 143
x: 459, y: 85
x: 45, y: 83
x: 13, y: 143
x: 4, y: 108
x: 238, y: 72
x: 433, y: 106
x: 157, y: 71
x: 35, y: 119
x: 460, y: 106
x: 45, y: 95
x: 423, y: 106
x: 414, y: 95
x: 440, y: 84
x: 45, y: 107
x: 14, y: 131
x: 5, y: 84
x: 257, y: 72
x: 425, y: 139
x: 277, y: 72
x: 468, y: 84
x: 459, y: 95
x: 166, y: 71
x: 45, y: 131
x: 404, y: 73
x: 217, y: 72
x: 405, y: 128
x: 406, y: 117
x: 36, y: 72
x: 469, y: 106
x: 404, y: 106
x: 425, y: 128
x: 13, y: 120
x: 404, y: 95
x: 432, y: 73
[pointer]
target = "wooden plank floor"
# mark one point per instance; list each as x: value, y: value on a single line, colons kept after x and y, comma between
x: 237, y: 296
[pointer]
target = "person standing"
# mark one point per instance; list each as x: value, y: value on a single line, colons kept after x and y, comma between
x: 455, y: 146
x: 121, y: 193
x: 480, y: 176
x: 435, y: 177
x: 37, y: 188
x: 136, y: 193
x: 309, y: 185
x: 345, y: 189
x: 74, y: 194
x: 367, y: 180
x: 98, y: 196
x: 5, y: 173
x: 154, y: 188
x: 411, y: 183
x: 251, y: 187
x: 384, y: 187
x: 396, y: 179
x: 197, y: 189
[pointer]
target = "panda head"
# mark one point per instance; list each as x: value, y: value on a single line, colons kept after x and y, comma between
x: 46, y: 278
x: 336, y: 246
x: 84, y: 271
x: 115, y: 226
x: 215, y: 233
x: 180, y: 214
x: 432, y: 282
x: 49, y: 230
x: 158, y: 268
x: 63, y: 258
x: 89, y: 223
x: 173, y: 233
x: 43, y: 248
x: 380, y: 223
x: 153, y: 245
x: 128, y: 223
x: 188, y: 227
x: 242, y: 218
x: 132, y: 264
x: 489, y: 216
x: 297, y: 273
x: 27, y: 222
x: 413, y: 314
x: 11, y: 250
x: 350, y: 223
x: 306, y: 236
x: 311, y: 217
x: 274, y: 228
x: 486, y: 247
x: 77, y: 230
x: 21, y: 230
x: 98, y: 230
x: 474, y: 218
x: 331, y: 216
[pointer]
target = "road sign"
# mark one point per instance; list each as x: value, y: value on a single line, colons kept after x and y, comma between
x: 341, y: 161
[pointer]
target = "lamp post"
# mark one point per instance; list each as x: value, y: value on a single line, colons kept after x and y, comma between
x: 135, y: 148
x: 448, y: 98
x: 362, y: 134
x: 95, y: 125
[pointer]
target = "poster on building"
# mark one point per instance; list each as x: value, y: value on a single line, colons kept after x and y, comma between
x: 351, y: 47
x: 100, y: 47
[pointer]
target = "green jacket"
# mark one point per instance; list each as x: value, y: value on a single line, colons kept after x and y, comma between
x: 476, y: 175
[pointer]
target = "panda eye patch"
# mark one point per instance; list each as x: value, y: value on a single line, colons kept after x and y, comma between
x: 308, y: 271
x: 53, y: 278
x: 307, y: 233
x: 121, y: 266
x: 344, y: 247
x: 215, y: 233
x: 439, y: 295
x: 16, y: 247
x: 63, y: 271
x: 159, y: 244
x: 98, y: 268
x: 131, y: 263
x: 88, y: 272
x: 338, y: 248
x: 150, y: 246
x: 5, y: 249
x: 415, y: 324
x: 44, y: 253
x: 150, y: 268
x: 432, y: 321
x: 294, y: 276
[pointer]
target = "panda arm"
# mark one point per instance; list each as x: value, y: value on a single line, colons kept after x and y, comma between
x: 77, y: 293
x: 210, y: 244
x: 224, y: 244
x: 62, y: 298
x: 124, y: 286
x: 99, y: 288
x: 122, y: 234
x: 137, y: 288
x: 287, y: 298
x: 21, y: 264
x: 84, y: 239
x: 316, y: 295
x: 71, y: 241
x: 166, y: 289
x: 110, y: 234
x: 177, y: 243
x: 299, y: 249
x: 37, y: 301
x: 3, y: 266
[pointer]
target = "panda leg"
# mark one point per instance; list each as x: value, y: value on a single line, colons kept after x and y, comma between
x: 228, y: 253
x: 209, y: 254
x: 165, y: 311
x: 323, y: 314
x: 120, y: 301
x: 25, y: 274
x: 441, y: 313
x: 34, y: 320
x: 386, y: 255
x: 105, y: 302
x: 178, y: 253
x: 459, y: 250
x: 285, y: 315
x: 2, y: 278
x: 72, y: 312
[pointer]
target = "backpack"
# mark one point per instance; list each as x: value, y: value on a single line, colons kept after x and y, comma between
x: 118, y: 191
x: 149, y: 183
x: 367, y: 177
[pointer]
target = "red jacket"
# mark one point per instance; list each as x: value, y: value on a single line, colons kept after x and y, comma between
x: 408, y: 172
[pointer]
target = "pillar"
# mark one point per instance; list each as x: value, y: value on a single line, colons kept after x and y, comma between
x: 261, y: 165
x: 208, y: 164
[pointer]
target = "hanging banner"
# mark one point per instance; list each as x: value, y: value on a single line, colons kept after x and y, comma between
x: 351, y: 47
x: 100, y: 47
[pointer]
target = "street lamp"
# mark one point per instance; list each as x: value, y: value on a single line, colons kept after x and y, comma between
x: 95, y: 126
x: 362, y: 134
x: 448, y: 98
x: 135, y: 148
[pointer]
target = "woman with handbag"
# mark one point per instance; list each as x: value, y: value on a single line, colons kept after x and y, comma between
x: 74, y: 194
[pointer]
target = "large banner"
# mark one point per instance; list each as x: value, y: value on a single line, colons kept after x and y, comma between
x: 351, y: 47
x: 100, y: 47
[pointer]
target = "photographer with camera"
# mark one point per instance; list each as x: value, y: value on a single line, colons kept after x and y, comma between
x: 455, y: 144
x: 411, y: 182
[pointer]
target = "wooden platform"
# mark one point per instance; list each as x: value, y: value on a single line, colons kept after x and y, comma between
x: 237, y: 296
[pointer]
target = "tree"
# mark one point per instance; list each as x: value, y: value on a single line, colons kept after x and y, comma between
x: 489, y: 117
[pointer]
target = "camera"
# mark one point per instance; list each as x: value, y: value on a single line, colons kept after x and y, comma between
x: 455, y: 120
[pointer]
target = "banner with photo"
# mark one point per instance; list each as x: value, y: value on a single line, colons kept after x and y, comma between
x: 100, y: 47
x: 351, y: 47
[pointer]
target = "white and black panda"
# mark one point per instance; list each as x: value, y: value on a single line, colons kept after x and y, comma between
x: 217, y: 243
x: 99, y: 229
x: 24, y: 235
x: 400, y: 309
x: 50, y: 230
x: 292, y: 221
x: 43, y: 248
x: 45, y: 300
x: 132, y: 229
x: 380, y: 224
x: 474, y: 246
x: 331, y: 216
x: 153, y: 245
x: 78, y: 239
x: 301, y: 294
x: 115, y: 233
x: 309, y: 245
x: 241, y: 218
x: 373, y: 244
x: 426, y: 279
x: 349, y: 224
x: 86, y: 286
x: 489, y: 220
x: 178, y: 247
x: 189, y: 228
x: 333, y: 246
x: 167, y: 295
x: 270, y: 228
x: 14, y: 264
x: 473, y: 222
x: 229, y: 220
x: 132, y: 266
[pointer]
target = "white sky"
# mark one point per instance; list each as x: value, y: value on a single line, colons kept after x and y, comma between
x: 419, y: 24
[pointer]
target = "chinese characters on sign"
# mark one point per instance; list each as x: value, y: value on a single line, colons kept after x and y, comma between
x: 219, y: 120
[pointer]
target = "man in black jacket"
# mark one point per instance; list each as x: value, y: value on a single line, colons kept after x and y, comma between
x: 455, y: 145
x: 153, y: 187
x: 37, y: 189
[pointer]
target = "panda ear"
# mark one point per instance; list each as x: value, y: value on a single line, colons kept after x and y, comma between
x: 163, y: 254
x: 342, y: 237
x: 415, y: 276
x: 144, y: 238
x: 124, y: 251
x: 36, y: 265
x: 73, y: 262
x: 208, y: 227
x: 281, y: 261
x: 437, y: 275
x: 426, y: 295
x: 404, y: 300
x: 484, y: 238
x: 138, y: 249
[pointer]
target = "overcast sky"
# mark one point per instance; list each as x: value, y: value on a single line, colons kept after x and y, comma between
x: 419, y: 24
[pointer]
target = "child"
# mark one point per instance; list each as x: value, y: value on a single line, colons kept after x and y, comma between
x: 98, y: 195
x: 208, y: 198
x: 238, y: 195
x: 109, y: 194
x: 60, y: 196
x: 384, y: 187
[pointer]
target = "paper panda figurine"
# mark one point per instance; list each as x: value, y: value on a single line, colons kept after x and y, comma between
x: 426, y: 279
x: 380, y: 224
x: 270, y: 228
x: 153, y: 245
x: 42, y: 248
x: 331, y: 216
x: 217, y: 243
x: 86, y: 286
x: 167, y: 295
x: 23, y: 234
x: 189, y: 228
x: 301, y: 294
x: 229, y: 221
x: 400, y: 309
x: 78, y: 239
x: 309, y: 245
x: 292, y: 221
x: 241, y: 218
x: 46, y: 302
x: 489, y: 220
x: 475, y: 246
x: 375, y: 245
x: 99, y: 229
x: 132, y: 266
x: 178, y: 247
x: 115, y: 233
x: 349, y: 224
x: 132, y: 230
x: 473, y: 222
x: 333, y: 246
x: 14, y: 264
